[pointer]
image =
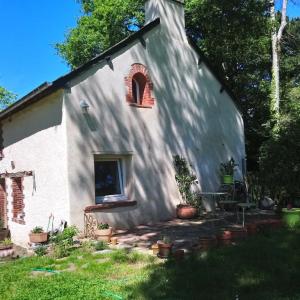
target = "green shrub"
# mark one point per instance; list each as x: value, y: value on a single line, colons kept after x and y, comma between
x: 66, y: 235
x: 185, y: 179
x: 279, y: 160
x: 62, y: 249
x: 292, y: 218
x: 101, y: 245
x: 63, y: 242
x: 40, y: 250
x: 87, y: 246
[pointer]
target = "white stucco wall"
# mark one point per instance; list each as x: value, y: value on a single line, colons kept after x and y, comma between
x: 190, y: 118
x: 34, y: 140
x: 59, y: 143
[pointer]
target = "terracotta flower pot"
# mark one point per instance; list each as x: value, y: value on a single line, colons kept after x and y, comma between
x: 225, y: 238
x: 207, y: 242
x: 6, y: 250
x: 238, y: 233
x: 3, y: 234
x: 185, y: 211
x: 251, y: 228
x: 164, y: 249
x: 38, y: 238
x: 155, y: 249
x: 103, y: 234
x: 179, y: 254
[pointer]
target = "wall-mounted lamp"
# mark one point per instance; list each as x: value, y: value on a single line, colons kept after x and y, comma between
x: 84, y: 106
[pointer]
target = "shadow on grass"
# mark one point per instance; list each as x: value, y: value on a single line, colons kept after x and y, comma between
x: 263, y: 267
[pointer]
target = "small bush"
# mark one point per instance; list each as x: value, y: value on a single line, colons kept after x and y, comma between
x: 87, y: 246
x: 63, y: 242
x: 66, y: 235
x: 40, y: 250
x: 61, y: 249
x: 101, y: 245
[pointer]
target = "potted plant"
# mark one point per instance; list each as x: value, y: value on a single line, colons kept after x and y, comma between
x: 6, y: 248
x: 37, y: 235
x: 227, y: 171
x: 103, y: 232
x: 185, y: 179
x: 3, y: 231
x: 164, y: 247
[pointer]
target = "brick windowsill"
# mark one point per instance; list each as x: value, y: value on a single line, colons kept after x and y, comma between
x: 139, y: 105
x: 109, y: 205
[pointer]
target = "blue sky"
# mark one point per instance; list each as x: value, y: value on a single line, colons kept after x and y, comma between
x: 28, y: 31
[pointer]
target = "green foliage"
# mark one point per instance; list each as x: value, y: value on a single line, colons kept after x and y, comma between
x: 235, y: 36
x: 227, y: 168
x: 6, y: 98
x: 103, y: 226
x: 184, y: 179
x: 63, y: 242
x: 37, y: 229
x: 62, y: 249
x: 103, y: 24
x: 261, y: 267
x: 280, y: 160
x: 6, y: 242
x: 40, y: 250
x: 101, y: 245
x: 66, y: 235
x: 291, y: 218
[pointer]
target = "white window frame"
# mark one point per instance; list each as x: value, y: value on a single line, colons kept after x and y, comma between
x: 122, y: 180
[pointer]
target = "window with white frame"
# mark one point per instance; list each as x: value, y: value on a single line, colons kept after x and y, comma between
x: 109, y: 180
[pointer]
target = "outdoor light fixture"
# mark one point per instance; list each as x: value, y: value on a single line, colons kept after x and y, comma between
x: 84, y: 106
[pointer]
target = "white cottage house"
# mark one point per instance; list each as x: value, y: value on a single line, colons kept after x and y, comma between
x: 101, y: 139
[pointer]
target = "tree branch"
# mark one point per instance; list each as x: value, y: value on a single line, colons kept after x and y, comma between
x: 283, y: 20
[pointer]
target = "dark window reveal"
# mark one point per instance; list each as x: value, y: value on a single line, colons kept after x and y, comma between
x: 107, y: 178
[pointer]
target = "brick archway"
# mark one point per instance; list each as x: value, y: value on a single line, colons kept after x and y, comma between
x: 139, y: 73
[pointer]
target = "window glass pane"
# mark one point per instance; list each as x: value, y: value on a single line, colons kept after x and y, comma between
x: 107, y: 178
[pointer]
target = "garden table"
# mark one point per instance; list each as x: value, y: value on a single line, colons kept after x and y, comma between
x: 244, y: 206
x: 214, y: 196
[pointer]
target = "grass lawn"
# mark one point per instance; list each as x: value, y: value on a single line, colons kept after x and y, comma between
x: 266, y: 266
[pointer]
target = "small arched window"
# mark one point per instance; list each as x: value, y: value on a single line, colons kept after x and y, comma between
x: 139, y: 86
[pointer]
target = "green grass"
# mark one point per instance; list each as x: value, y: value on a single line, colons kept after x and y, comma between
x: 291, y: 217
x: 263, y: 267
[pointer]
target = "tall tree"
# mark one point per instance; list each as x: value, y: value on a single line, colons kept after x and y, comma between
x: 236, y: 34
x: 276, y: 40
x: 6, y: 98
x: 103, y: 24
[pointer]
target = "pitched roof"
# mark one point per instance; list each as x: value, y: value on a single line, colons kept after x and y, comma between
x: 47, y: 88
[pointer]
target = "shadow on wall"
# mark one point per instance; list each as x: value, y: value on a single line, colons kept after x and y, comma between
x: 187, y: 119
x: 45, y: 114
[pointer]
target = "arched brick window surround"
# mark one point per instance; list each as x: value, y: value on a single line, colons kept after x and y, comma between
x: 139, y: 74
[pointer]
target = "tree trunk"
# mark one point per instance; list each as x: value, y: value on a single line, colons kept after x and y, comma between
x: 276, y: 39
